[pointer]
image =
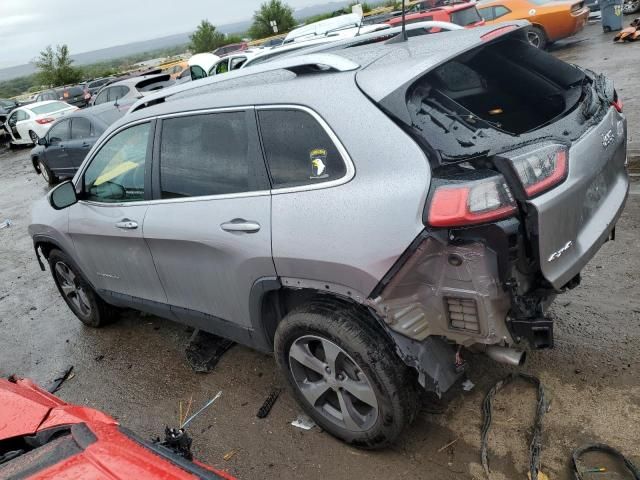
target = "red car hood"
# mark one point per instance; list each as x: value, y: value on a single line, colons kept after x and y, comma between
x: 93, y: 445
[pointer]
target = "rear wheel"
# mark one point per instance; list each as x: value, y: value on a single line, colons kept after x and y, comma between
x: 345, y: 374
x: 33, y: 137
x: 537, y: 37
x: 77, y: 293
x: 47, y: 174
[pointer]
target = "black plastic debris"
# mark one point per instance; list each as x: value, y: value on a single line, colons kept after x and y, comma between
x: 178, y: 441
x: 268, y: 403
x: 55, y: 385
x: 205, y: 350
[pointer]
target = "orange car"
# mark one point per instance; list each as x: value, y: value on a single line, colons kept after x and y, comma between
x: 176, y: 69
x: 551, y: 20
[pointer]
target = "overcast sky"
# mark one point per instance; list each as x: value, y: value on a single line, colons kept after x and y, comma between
x: 27, y: 26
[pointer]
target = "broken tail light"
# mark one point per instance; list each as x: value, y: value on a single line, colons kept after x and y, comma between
x: 617, y: 102
x: 44, y: 121
x: 542, y: 168
x: 470, y: 203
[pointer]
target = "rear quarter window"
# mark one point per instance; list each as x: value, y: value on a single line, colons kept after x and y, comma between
x: 299, y: 151
x: 465, y: 17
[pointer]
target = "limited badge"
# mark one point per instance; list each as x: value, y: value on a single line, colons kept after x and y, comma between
x: 318, y: 158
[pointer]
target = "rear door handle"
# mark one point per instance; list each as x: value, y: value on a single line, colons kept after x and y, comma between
x: 127, y: 224
x: 240, y: 225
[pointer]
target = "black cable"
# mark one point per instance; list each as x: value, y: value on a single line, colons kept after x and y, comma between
x: 535, y: 446
x: 600, y: 447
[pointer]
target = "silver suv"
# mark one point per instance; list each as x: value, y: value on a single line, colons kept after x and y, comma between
x: 367, y: 210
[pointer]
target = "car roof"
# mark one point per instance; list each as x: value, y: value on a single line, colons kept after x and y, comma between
x: 133, y: 81
x: 381, y: 68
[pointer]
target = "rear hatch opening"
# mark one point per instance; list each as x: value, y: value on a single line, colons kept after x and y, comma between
x: 511, y: 86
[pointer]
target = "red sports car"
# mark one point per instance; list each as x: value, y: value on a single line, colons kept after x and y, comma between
x: 42, y: 437
x: 463, y: 14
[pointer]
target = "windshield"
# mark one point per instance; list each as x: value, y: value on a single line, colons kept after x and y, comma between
x: 49, y: 108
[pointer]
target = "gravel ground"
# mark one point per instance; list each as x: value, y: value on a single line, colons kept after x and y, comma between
x: 136, y: 369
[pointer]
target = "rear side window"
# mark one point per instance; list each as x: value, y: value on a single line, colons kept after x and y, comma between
x: 298, y: 149
x: 80, y: 128
x: 466, y: 17
x: 207, y: 154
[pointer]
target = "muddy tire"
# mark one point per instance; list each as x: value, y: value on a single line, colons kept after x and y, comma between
x: 344, y: 372
x: 537, y: 37
x: 77, y: 293
x: 47, y: 174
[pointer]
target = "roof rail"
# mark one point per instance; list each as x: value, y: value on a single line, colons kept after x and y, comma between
x: 300, y: 64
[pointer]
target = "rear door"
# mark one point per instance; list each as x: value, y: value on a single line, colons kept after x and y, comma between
x: 106, y: 224
x: 209, y: 230
x: 56, y: 154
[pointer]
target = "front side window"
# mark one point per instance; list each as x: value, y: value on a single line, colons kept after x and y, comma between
x: 80, y: 128
x: 298, y: 149
x: 205, y: 154
x: 116, y: 173
x: 237, y: 62
x: 59, y: 132
x: 222, y: 67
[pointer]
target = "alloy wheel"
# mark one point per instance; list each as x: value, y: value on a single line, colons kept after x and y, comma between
x: 333, y: 383
x: 533, y: 38
x: 72, y: 290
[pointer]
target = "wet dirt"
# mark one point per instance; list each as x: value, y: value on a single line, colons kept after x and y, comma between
x: 136, y: 369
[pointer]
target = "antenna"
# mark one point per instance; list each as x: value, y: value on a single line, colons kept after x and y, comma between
x: 403, y: 35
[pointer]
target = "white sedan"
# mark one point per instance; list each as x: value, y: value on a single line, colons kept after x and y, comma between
x: 27, y: 124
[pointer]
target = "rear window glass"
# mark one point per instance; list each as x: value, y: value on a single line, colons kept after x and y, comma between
x: 466, y: 17
x: 298, y: 149
x: 49, y: 108
x: 205, y: 155
x: 74, y: 91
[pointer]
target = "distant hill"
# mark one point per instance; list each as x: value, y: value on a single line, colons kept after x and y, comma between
x: 121, y: 51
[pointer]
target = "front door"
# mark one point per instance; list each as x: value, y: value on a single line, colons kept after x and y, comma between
x: 106, y: 224
x: 56, y: 154
x: 17, y: 122
x: 210, y: 228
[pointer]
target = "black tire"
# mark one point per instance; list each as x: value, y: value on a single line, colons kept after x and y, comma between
x: 377, y: 366
x: 87, y: 306
x: 34, y: 137
x: 537, y: 37
x: 46, y: 173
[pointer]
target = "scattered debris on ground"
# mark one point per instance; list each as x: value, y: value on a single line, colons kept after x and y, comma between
x: 229, y: 455
x: 629, y: 34
x: 580, y: 469
x: 304, y: 422
x: 6, y: 224
x: 535, y: 447
x: 57, y: 382
x: 268, y: 403
x: 205, y: 350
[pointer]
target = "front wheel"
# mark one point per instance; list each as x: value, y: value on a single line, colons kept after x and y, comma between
x: 537, y: 37
x: 345, y: 374
x: 77, y: 293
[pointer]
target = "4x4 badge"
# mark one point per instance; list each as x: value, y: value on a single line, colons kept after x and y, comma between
x: 607, y: 138
x: 556, y: 255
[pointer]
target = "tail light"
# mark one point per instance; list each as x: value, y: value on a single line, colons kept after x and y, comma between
x: 470, y: 203
x: 542, y: 168
x: 44, y: 121
x: 617, y: 102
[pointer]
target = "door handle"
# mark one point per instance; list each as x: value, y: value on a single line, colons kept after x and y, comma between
x: 127, y: 224
x: 240, y: 225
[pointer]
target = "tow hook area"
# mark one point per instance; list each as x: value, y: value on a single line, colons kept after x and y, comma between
x: 527, y: 320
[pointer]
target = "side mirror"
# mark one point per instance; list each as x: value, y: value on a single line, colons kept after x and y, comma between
x: 42, y: 141
x: 63, y: 196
